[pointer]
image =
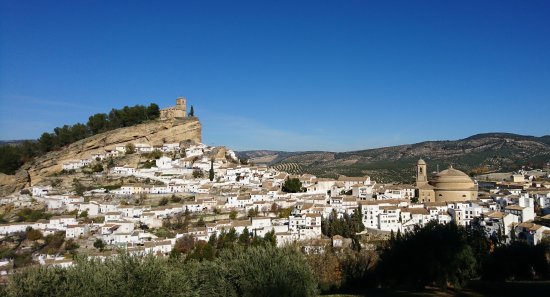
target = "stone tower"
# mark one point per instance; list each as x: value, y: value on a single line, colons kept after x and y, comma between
x: 181, y: 104
x: 178, y: 111
x: 421, y: 174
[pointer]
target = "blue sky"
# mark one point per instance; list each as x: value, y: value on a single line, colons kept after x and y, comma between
x: 282, y: 75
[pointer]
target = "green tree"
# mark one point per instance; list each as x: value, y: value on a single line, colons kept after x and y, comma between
x: 269, y: 271
x: 175, y: 198
x: 78, y: 187
x: 518, y: 261
x: 97, y: 168
x: 253, y: 212
x: 233, y: 215
x: 191, y: 111
x: 211, y: 171
x: 33, y: 234
x: 200, y: 223
x: 440, y: 255
x: 10, y: 159
x: 257, y: 271
x: 99, y: 244
x: 292, y: 185
x: 197, y: 173
x: 98, y: 123
x: 163, y: 201
x: 130, y: 148
x: 270, y: 238
x: 71, y: 246
x: 244, y: 238
x: 46, y: 142
x: 185, y: 244
x: 153, y: 111
x: 111, y: 163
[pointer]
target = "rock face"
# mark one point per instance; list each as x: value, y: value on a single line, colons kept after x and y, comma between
x: 154, y: 133
x: 12, y: 183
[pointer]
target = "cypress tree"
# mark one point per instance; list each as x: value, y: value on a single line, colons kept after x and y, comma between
x: 211, y: 172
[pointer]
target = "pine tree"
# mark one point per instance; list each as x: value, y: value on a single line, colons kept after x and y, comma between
x: 244, y: 238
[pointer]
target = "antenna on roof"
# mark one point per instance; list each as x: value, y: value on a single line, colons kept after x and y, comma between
x: 437, y: 168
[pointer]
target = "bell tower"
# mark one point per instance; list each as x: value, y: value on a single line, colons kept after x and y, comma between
x: 421, y: 174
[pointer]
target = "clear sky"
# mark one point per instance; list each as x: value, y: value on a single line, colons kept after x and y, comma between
x: 283, y: 75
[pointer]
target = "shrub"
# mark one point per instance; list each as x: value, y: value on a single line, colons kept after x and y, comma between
x: 258, y: 271
x: 163, y: 201
x: 33, y: 234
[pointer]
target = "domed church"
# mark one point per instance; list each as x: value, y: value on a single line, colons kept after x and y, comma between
x: 448, y: 185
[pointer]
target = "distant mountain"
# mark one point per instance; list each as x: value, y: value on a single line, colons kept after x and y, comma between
x: 479, y: 153
x: 12, y: 142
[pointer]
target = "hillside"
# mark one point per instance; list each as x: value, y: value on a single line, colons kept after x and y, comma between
x: 154, y: 132
x: 482, y: 152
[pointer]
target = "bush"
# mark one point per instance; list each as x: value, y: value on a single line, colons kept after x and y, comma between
x: 32, y: 215
x: 130, y: 148
x: 269, y: 271
x: 97, y: 168
x: 175, y: 198
x: 99, y: 244
x: 233, y: 215
x: 33, y: 234
x: 54, y: 242
x: 264, y: 271
x: 197, y: 173
x: 163, y: 201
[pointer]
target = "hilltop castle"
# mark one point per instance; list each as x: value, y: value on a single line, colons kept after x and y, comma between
x: 173, y: 112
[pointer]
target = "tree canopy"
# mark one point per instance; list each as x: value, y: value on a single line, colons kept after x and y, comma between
x: 292, y: 185
x: 436, y: 254
x: 256, y: 271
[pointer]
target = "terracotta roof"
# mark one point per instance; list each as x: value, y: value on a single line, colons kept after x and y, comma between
x: 514, y: 207
x: 496, y: 214
x: 352, y: 179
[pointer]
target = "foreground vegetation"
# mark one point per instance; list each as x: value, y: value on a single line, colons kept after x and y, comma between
x: 439, y: 257
x: 257, y: 271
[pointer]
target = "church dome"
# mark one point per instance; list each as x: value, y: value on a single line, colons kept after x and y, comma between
x: 421, y: 162
x: 453, y: 179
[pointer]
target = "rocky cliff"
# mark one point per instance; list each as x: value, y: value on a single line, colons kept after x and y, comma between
x: 153, y: 133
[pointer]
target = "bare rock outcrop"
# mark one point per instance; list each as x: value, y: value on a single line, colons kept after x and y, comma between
x: 13, y: 183
x: 153, y: 133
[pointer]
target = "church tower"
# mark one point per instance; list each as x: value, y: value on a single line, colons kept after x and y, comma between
x: 421, y: 174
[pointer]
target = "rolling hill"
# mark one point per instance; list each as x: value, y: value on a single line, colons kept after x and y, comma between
x: 488, y: 152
